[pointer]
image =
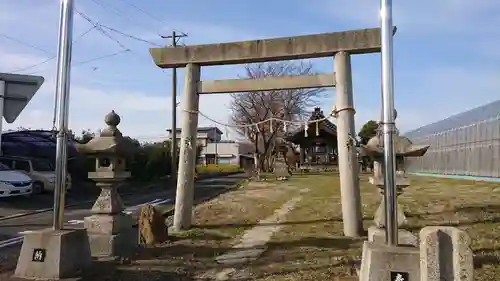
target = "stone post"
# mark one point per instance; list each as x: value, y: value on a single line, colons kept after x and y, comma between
x: 110, y: 230
x: 348, y: 164
x: 187, y: 157
x: 302, y: 155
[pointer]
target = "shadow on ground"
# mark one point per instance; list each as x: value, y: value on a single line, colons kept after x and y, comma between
x: 247, y: 225
x: 111, y: 271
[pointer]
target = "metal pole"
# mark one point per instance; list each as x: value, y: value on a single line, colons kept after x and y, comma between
x: 216, y: 153
x: 62, y: 92
x: 2, y: 99
x: 174, y: 116
x: 391, y: 228
x: 174, y: 37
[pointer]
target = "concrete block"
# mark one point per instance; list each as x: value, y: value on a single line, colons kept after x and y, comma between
x: 445, y: 254
x: 395, y: 263
x: 108, y: 224
x: 377, y: 235
x: 113, y: 245
x: 51, y: 255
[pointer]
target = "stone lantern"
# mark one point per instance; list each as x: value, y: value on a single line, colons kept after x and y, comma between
x: 280, y: 165
x: 110, y: 230
x: 403, y: 148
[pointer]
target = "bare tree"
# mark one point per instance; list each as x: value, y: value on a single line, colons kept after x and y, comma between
x: 255, y: 107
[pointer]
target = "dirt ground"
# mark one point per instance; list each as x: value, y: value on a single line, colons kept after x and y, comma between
x: 310, y: 245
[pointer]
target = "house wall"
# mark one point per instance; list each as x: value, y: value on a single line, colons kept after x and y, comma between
x: 202, y: 138
x: 227, y: 152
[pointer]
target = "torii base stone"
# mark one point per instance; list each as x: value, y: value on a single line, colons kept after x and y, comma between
x: 49, y: 254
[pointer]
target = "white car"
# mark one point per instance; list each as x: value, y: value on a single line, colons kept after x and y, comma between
x: 13, y: 183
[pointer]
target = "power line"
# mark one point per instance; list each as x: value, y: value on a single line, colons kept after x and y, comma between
x: 118, y: 13
x: 53, y: 56
x: 34, y: 65
x: 144, y: 12
x: 99, y: 28
x: 24, y: 43
x: 102, y: 57
x: 90, y: 60
x: 130, y: 36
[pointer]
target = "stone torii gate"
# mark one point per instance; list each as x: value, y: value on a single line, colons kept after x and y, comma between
x: 340, y: 45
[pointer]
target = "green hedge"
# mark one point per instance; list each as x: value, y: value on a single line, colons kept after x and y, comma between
x: 218, y: 168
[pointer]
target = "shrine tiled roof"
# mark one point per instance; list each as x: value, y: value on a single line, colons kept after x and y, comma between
x: 318, y: 114
x: 324, y: 125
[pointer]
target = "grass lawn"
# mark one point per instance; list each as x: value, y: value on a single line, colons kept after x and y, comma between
x: 311, y: 246
x: 218, y: 224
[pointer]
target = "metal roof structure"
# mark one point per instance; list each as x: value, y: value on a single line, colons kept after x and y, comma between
x: 478, y: 114
x: 32, y: 143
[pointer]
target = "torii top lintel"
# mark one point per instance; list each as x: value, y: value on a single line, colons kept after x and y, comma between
x: 359, y: 41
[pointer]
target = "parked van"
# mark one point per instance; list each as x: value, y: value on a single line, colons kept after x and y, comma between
x: 14, y: 183
x: 41, y: 171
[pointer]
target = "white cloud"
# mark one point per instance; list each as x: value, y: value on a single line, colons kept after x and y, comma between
x: 426, y: 15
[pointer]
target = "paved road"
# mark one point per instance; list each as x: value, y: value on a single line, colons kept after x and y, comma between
x: 11, y: 206
x: 10, y: 229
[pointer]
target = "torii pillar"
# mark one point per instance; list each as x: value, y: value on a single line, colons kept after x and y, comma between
x: 187, y: 159
x: 347, y: 158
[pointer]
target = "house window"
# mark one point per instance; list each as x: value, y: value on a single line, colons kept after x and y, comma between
x: 224, y: 160
x: 210, y: 159
x: 319, y: 149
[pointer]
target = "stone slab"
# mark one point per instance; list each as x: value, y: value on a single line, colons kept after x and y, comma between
x: 267, y: 83
x: 383, y: 263
x: 445, y: 254
x: 377, y: 235
x: 52, y: 255
x: 240, y: 256
x: 272, y: 49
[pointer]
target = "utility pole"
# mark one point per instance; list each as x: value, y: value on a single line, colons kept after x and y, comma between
x: 175, y: 39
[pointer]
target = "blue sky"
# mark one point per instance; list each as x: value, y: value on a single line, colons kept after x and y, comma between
x: 447, y: 58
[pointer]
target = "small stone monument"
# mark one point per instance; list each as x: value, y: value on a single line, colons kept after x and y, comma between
x: 281, y: 169
x: 445, y: 254
x: 110, y: 230
x: 403, y: 148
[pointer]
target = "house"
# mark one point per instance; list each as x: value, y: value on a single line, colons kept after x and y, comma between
x: 218, y: 151
x: 227, y: 152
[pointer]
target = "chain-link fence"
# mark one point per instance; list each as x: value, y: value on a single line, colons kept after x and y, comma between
x: 471, y: 150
